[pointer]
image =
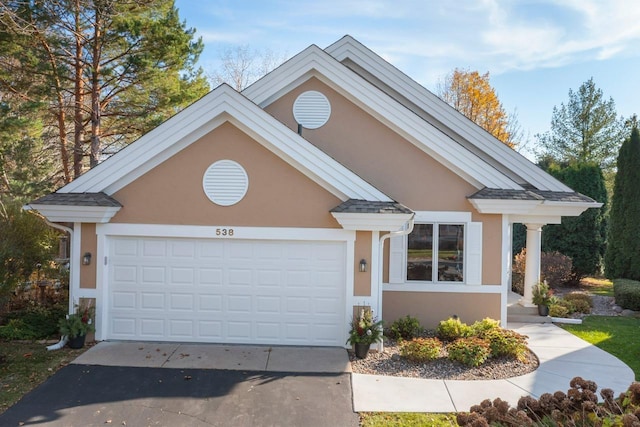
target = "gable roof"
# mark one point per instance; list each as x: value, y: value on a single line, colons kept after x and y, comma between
x: 221, y: 105
x: 314, y: 62
x: 425, y: 104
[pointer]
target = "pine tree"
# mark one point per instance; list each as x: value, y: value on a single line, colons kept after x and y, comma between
x: 585, y: 130
x: 623, y: 248
x: 109, y: 70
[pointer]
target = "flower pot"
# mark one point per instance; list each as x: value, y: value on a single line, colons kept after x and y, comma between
x: 77, y: 342
x: 362, y: 350
x: 543, y: 310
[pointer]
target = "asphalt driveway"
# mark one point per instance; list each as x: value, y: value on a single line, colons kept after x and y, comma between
x: 99, y: 395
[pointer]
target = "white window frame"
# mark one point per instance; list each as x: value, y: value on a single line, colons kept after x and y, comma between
x: 472, y: 276
x: 435, y: 258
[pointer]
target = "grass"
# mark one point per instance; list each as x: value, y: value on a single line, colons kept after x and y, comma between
x: 598, y: 286
x: 615, y: 335
x: 405, y: 419
x: 25, y: 365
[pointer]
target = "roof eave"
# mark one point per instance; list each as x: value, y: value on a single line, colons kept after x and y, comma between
x: 66, y: 213
x: 372, y: 221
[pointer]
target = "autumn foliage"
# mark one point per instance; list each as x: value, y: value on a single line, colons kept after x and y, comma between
x: 471, y: 94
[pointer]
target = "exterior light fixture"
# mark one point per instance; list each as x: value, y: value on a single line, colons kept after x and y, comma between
x: 363, y: 265
x: 86, y: 258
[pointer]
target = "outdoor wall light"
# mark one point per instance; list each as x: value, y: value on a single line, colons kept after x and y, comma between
x: 363, y: 265
x: 86, y: 258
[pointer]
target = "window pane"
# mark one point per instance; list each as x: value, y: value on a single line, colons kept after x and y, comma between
x: 420, y: 253
x: 450, y: 253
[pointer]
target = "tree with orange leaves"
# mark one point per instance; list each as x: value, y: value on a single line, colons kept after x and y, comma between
x: 470, y: 93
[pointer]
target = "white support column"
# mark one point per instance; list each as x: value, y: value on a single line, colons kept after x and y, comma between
x: 532, y: 266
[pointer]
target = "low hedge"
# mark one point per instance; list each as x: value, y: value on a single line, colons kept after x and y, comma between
x: 627, y: 293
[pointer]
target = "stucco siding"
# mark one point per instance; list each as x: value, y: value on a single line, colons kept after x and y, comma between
x: 278, y: 194
x: 432, y: 307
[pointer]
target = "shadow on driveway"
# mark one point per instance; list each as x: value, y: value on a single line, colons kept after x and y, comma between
x: 84, y: 395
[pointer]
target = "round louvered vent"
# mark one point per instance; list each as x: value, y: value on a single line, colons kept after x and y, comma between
x: 225, y: 182
x: 311, y: 109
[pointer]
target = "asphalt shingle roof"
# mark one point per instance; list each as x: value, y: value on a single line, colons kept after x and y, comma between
x: 77, y: 199
x: 365, y: 206
x: 532, y: 194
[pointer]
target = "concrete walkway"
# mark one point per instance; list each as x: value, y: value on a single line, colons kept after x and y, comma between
x: 562, y: 356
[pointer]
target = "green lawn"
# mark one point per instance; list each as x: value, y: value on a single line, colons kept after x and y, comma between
x: 619, y: 336
x: 406, y: 419
x: 24, y: 365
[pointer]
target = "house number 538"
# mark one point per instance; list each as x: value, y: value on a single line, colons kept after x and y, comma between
x: 224, y: 232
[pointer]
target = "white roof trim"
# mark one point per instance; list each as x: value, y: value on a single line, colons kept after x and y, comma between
x: 372, y: 221
x: 66, y: 213
x: 543, y: 208
x: 348, y: 47
x: 219, y: 106
x: 313, y: 61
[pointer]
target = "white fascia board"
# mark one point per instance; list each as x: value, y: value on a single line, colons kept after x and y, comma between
x: 347, y: 47
x: 542, y: 208
x: 59, y: 213
x: 221, y: 105
x: 371, y: 221
x: 501, y: 206
x: 315, y: 62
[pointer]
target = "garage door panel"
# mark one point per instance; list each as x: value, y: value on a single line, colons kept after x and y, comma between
x: 154, y: 248
x: 268, y: 292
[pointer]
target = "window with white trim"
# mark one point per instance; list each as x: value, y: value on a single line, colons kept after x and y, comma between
x: 435, y: 253
x: 443, y: 249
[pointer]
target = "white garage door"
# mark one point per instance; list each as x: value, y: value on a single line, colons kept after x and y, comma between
x: 226, y: 291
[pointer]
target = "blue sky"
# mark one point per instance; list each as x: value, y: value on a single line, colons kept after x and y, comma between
x: 535, y: 51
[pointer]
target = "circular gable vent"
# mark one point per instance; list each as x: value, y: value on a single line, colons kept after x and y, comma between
x: 311, y: 109
x: 225, y: 182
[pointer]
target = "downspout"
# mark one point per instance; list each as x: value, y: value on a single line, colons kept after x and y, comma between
x: 63, y: 340
x: 399, y: 233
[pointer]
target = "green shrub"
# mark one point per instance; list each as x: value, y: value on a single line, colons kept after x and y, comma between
x: 471, y: 351
x: 452, y: 329
x: 16, y: 329
x: 35, y: 322
x: 579, y: 296
x: 627, y: 293
x: 558, y: 310
x: 505, y: 342
x: 581, y: 306
x: 480, y: 327
x: 405, y: 328
x: 421, y: 349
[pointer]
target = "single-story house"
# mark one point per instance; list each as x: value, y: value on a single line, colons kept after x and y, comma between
x: 266, y: 216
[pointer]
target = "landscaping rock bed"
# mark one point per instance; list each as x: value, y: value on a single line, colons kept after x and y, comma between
x: 390, y: 363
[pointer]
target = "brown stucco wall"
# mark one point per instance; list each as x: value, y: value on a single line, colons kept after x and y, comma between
x: 378, y: 154
x: 88, y: 243
x: 432, y: 307
x: 362, y: 250
x: 393, y: 165
x: 278, y: 195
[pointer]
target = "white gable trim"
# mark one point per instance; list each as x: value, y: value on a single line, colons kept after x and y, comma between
x: 314, y: 62
x: 219, y: 106
x: 349, y: 48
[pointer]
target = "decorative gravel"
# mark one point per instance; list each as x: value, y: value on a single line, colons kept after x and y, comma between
x: 390, y: 363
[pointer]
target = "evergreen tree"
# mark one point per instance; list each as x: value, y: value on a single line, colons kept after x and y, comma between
x: 582, y: 238
x: 108, y: 70
x: 585, y: 130
x: 623, y: 249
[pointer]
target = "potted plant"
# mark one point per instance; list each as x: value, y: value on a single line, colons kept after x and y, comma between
x: 365, y: 330
x: 76, y: 326
x: 542, y: 296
